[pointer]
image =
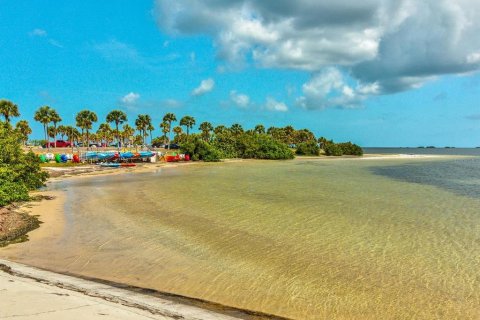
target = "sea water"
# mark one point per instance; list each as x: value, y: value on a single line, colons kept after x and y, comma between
x: 304, y: 239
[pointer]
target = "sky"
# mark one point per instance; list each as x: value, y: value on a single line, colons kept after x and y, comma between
x: 374, y: 72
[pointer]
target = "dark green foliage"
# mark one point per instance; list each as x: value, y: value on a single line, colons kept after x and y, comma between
x: 262, y: 146
x: 338, y: 149
x: 199, y: 149
x: 332, y: 149
x: 349, y: 148
x: 19, y: 171
x: 309, y: 148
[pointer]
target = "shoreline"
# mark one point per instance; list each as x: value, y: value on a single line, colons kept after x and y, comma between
x: 53, y: 223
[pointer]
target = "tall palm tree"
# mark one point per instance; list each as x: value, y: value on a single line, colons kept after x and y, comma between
x: 220, y: 129
x: 72, y: 135
x: 260, y: 129
x: 236, y: 129
x: 169, y: 117
x: 8, y: 109
x: 188, y: 122
x: 55, y: 118
x: 150, y: 129
x: 141, y: 123
x: 165, y: 126
x: 177, y: 131
x: 104, y: 131
x: 85, y: 120
x: 127, y: 132
x: 118, y: 117
x: 205, y: 127
x: 42, y: 115
x: 61, y: 131
x: 24, y: 129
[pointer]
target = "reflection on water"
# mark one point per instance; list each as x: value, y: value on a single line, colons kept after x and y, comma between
x: 302, y: 239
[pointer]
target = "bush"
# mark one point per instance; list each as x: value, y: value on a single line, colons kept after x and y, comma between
x: 262, y: 146
x: 309, y: 148
x: 349, y: 148
x: 199, y: 149
x: 332, y: 149
x: 19, y: 171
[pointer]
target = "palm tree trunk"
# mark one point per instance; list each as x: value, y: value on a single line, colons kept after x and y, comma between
x: 88, y: 142
x: 55, y: 135
x: 118, y: 136
x: 46, y: 136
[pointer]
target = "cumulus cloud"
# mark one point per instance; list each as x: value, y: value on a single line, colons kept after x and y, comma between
x: 329, y: 88
x: 239, y: 99
x: 130, y: 99
x: 205, y: 86
x: 274, y: 105
x: 386, y: 45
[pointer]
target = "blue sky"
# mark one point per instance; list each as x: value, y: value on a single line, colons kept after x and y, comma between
x: 370, y: 81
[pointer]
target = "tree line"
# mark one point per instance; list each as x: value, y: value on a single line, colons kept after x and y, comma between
x: 228, y: 142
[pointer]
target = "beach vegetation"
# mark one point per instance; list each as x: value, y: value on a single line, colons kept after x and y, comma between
x: 8, y: 109
x: 20, y: 172
x: 118, y: 117
x: 308, y: 148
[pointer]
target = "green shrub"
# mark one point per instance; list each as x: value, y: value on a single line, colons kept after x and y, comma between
x: 332, y: 149
x: 309, y: 148
x: 349, y: 148
x: 19, y: 171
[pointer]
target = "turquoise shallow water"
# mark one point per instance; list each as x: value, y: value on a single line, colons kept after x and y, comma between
x: 305, y: 239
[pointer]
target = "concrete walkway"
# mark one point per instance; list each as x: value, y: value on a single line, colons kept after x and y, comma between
x: 30, y: 293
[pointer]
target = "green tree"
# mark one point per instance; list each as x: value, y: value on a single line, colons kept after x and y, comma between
x: 141, y: 124
x: 85, y: 119
x: 24, y: 129
x: 118, y: 117
x: 220, y: 129
x: 72, y: 135
x: 150, y: 129
x: 165, y: 126
x: 127, y: 133
x: 104, y: 131
x: 236, y: 129
x: 8, y: 109
x: 42, y: 115
x: 169, y: 117
x: 55, y: 119
x: 19, y: 171
x: 206, y: 128
x: 259, y: 128
x: 188, y: 122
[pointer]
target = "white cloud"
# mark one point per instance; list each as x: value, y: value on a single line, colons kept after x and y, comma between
x: 239, y: 99
x: 205, y: 86
x: 395, y: 44
x: 38, y: 33
x: 274, y: 105
x: 329, y: 88
x: 130, y: 99
x: 116, y: 50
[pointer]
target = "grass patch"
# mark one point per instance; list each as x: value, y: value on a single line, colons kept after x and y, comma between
x: 61, y: 165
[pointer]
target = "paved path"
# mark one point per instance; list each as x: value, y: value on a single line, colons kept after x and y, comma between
x: 30, y: 293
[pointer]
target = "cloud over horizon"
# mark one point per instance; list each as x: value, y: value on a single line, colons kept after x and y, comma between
x: 384, y: 46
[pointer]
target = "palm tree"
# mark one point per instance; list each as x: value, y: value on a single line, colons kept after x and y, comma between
x: 260, y: 129
x: 118, y: 117
x: 72, y: 134
x: 127, y: 132
x: 169, y: 117
x: 220, y: 129
x: 236, y: 129
x: 188, y: 122
x: 85, y: 120
x: 42, y: 115
x: 177, y: 131
x: 150, y: 129
x: 141, y: 123
x: 206, y: 127
x: 165, y: 126
x: 103, y: 131
x: 24, y: 129
x: 61, y: 130
x: 55, y: 118
x: 8, y: 109
x: 51, y: 132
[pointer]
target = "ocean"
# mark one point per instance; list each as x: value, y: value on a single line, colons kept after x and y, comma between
x: 302, y: 239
